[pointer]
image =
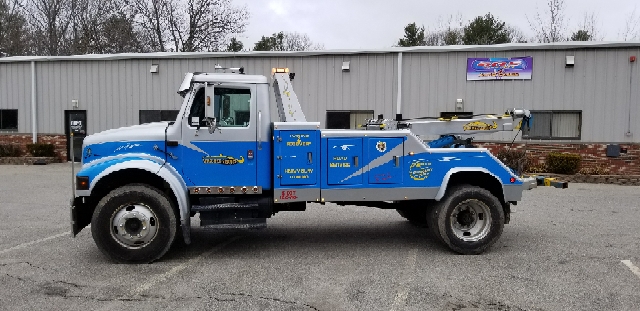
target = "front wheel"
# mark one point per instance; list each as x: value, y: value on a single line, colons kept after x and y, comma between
x: 134, y: 224
x: 469, y: 219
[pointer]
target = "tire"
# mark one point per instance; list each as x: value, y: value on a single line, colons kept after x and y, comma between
x: 469, y: 219
x: 432, y: 222
x: 134, y: 224
x: 416, y: 216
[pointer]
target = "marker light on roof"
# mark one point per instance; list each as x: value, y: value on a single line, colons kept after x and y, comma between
x: 280, y: 70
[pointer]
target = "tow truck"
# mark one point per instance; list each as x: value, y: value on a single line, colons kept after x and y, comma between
x: 228, y: 161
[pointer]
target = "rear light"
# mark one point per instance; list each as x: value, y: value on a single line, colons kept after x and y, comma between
x: 513, y: 180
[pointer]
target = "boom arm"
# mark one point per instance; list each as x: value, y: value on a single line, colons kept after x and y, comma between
x: 478, y: 124
x: 289, y: 108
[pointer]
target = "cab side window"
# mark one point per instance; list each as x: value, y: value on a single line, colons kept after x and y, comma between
x: 232, y: 106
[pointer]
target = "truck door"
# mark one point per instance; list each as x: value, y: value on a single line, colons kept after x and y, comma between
x: 345, y: 160
x: 224, y: 158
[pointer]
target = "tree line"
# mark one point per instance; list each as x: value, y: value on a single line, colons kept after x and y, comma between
x: 71, y: 27
x: 548, y: 25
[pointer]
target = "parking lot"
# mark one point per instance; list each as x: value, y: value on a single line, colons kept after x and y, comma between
x: 571, y: 249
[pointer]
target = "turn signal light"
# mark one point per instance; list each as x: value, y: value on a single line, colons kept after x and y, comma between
x: 82, y: 182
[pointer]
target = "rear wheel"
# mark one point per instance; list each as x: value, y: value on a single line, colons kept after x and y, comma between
x: 469, y: 219
x: 134, y: 224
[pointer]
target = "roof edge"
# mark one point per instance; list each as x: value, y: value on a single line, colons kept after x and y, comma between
x: 419, y: 49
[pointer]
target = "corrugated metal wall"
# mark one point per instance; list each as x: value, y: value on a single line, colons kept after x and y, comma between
x: 114, y: 91
x: 599, y: 85
x: 15, y: 92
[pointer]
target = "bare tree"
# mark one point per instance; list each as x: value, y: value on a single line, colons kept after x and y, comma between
x: 117, y: 35
x: 549, y: 26
x: 188, y: 26
x: 300, y: 42
x: 87, y: 31
x: 151, y: 19
x: 14, y: 34
x: 631, y: 29
x: 516, y: 35
x: 446, y: 32
x: 50, y: 21
x: 587, y: 29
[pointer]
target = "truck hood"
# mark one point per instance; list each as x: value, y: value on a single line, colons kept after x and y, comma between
x: 144, y: 132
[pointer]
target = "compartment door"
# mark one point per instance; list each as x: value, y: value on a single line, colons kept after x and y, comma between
x: 299, y: 158
x: 344, y: 161
x: 385, y: 160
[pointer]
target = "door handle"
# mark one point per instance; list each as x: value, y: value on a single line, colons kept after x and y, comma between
x: 397, y: 160
x: 259, y: 129
x: 355, y: 161
x: 310, y: 157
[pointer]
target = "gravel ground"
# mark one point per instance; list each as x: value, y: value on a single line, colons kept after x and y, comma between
x: 564, y: 250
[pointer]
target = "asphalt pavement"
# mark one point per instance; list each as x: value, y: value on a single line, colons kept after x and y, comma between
x: 565, y: 249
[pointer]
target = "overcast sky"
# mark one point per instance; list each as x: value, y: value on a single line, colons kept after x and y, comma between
x: 372, y: 24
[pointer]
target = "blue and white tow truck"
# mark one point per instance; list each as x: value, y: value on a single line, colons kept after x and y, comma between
x: 226, y: 160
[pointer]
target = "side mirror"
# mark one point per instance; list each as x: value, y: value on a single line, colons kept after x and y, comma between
x: 210, y: 109
x: 212, y: 124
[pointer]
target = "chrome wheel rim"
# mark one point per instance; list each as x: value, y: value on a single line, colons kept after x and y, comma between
x: 134, y: 225
x: 471, y: 220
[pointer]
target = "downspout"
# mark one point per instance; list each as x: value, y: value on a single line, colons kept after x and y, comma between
x: 34, y: 119
x: 628, y: 133
x: 399, y: 99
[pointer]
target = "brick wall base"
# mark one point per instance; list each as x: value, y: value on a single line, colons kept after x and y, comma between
x: 593, y: 155
x: 28, y: 160
x: 22, y: 140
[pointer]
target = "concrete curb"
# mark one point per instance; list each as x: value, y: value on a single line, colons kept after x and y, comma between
x: 625, y: 180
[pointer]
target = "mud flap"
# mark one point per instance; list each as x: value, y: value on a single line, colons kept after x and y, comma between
x: 80, y: 216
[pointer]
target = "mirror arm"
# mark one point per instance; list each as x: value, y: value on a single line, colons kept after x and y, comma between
x: 212, y: 124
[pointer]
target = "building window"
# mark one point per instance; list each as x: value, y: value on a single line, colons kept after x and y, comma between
x: 459, y: 115
x: 148, y: 116
x: 554, y: 124
x: 9, y: 119
x: 347, y: 119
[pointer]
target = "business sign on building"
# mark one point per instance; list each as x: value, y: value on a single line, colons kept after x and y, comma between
x: 515, y: 68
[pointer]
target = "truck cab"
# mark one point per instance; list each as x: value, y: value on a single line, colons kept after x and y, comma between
x: 228, y: 161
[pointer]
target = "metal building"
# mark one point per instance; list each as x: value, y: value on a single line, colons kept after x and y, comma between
x: 580, y: 92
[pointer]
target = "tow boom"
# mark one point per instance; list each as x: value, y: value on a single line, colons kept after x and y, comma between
x: 478, y: 124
